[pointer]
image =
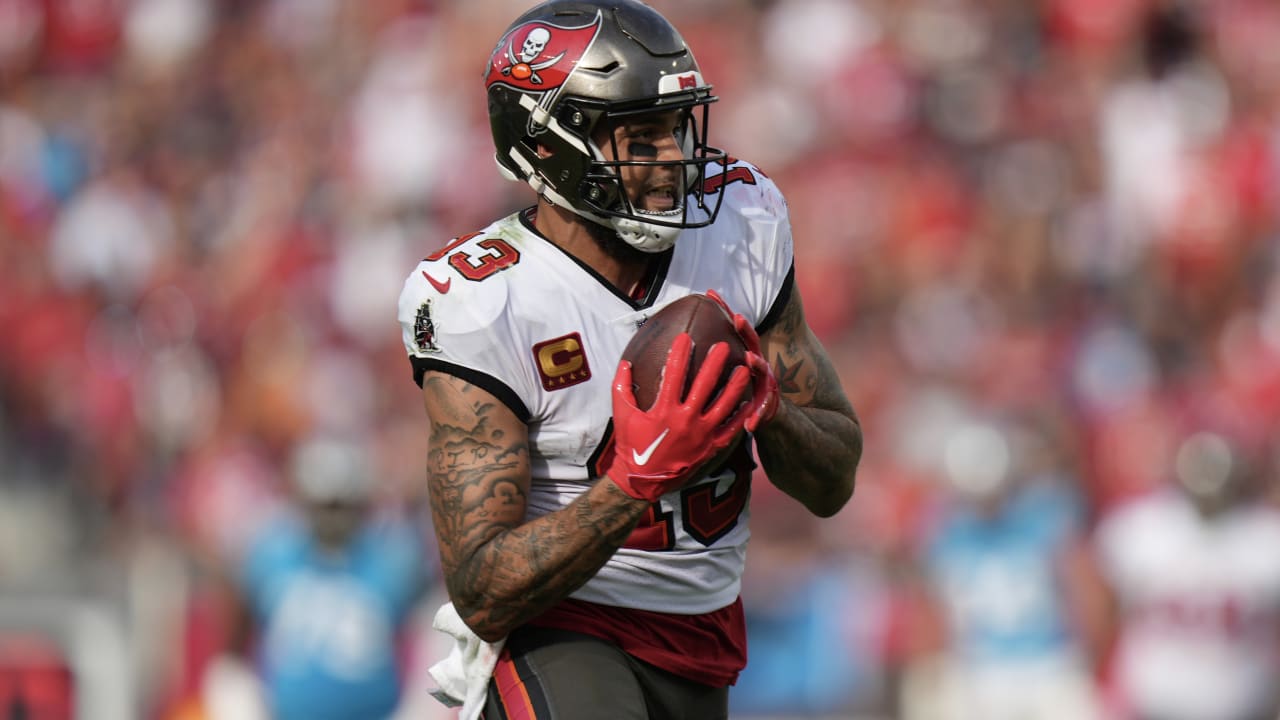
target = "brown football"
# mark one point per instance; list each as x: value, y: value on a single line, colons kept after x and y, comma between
x: 705, y: 321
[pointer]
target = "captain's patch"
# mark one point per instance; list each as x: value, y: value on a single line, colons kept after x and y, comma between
x: 562, y: 362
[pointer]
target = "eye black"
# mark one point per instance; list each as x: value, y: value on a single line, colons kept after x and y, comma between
x: 643, y: 149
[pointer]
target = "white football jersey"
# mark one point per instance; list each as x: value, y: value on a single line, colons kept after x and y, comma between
x: 511, y: 312
x: 1201, y: 603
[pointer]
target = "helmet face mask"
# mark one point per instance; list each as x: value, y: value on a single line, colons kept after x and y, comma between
x: 604, y: 189
x: 566, y: 71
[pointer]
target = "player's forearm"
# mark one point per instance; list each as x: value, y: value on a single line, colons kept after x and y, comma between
x: 522, y: 572
x: 812, y: 454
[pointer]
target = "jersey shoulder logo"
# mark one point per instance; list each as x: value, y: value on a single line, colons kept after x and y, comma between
x: 424, y: 330
x: 538, y: 56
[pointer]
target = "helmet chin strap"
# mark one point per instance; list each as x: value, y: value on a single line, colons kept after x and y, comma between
x: 647, y: 237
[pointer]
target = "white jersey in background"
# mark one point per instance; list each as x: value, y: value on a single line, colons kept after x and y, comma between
x: 509, y: 311
x: 1200, y: 598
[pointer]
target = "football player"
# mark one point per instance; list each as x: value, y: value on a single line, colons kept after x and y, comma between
x: 589, y: 543
x: 323, y: 598
x: 1195, y: 600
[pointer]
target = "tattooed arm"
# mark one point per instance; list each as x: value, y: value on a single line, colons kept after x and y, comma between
x: 500, y: 570
x: 812, y: 447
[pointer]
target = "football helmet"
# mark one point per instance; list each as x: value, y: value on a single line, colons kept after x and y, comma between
x: 566, y: 66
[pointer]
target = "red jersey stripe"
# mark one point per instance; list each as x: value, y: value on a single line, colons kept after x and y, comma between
x: 710, y: 648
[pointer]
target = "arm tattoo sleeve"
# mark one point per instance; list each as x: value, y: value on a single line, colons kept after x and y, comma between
x: 812, y: 450
x: 500, y: 570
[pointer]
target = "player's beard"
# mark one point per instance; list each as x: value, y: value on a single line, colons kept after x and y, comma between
x: 615, y: 247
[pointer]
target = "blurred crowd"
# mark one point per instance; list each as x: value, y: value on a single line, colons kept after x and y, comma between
x: 1038, y: 237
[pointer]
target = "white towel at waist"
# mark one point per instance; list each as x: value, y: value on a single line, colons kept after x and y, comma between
x: 463, y: 676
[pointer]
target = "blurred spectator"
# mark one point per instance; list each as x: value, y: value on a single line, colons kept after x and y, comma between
x: 1197, y: 592
x: 328, y: 593
x: 1005, y: 565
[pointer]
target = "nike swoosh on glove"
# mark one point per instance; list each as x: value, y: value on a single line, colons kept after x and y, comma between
x: 660, y: 449
x: 765, y: 394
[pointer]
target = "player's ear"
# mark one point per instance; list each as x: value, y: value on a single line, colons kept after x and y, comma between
x: 544, y: 151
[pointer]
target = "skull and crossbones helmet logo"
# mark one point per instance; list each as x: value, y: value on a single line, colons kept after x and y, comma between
x: 523, y: 67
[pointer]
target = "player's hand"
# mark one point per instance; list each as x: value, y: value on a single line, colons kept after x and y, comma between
x: 660, y: 449
x: 765, y: 395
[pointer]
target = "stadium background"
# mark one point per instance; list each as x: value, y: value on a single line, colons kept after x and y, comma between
x: 1037, y: 237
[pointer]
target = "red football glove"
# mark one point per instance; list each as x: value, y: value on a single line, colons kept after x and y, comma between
x: 660, y: 449
x: 764, y: 384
